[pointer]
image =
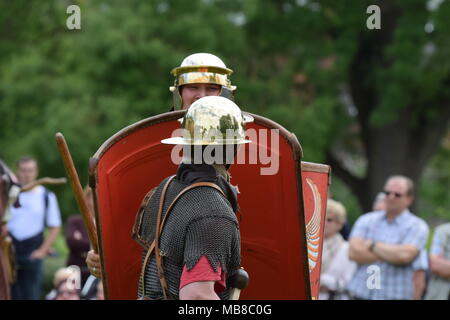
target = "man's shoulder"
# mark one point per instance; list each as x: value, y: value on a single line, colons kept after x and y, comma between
x: 157, y: 190
x: 47, y: 192
x: 208, y: 203
x: 50, y: 197
x: 164, y: 181
x: 201, y: 201
x: 413, y: 225
x: 370, y: 217
x: 210, y: 198
x: 416, y: 221
x: 38, y: 190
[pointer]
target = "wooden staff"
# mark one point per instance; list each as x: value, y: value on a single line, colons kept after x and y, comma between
x: 40, y: 181
x: 77, y: 189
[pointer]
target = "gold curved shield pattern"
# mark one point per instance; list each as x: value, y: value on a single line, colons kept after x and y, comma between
x: 313, y: 227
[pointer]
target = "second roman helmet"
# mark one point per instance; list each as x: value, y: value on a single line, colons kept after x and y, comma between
x: 201, y: 68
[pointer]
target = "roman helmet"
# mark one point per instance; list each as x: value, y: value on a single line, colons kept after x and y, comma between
x: 201, y: 68
x: 212, y: 120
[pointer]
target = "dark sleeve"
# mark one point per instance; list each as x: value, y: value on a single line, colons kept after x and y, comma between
x: 217, y: 238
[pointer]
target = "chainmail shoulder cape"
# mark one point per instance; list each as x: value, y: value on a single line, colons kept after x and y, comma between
x: 201, y: 223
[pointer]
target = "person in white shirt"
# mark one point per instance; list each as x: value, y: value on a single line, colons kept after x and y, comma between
x: 337, y: 269
x: 38, y: 210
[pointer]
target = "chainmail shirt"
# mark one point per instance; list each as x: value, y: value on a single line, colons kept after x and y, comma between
x: 201, y: 223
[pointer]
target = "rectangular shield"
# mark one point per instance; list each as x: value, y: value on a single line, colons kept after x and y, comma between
x: 316, y: 180
x: 272, y: 216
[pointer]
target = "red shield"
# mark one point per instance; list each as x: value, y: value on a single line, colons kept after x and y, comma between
x: 272, y: 221
x: 315, y: 193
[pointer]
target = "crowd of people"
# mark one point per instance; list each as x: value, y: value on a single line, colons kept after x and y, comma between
x: 34, y: 223
x: 386, y: 257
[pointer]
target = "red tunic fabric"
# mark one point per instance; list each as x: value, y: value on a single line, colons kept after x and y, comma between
x: 203, y: 271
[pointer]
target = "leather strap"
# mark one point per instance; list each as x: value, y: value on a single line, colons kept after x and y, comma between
x: 162, y: 278
x: 149, y: 252
x: 159, y: 229
x: 155, y: 242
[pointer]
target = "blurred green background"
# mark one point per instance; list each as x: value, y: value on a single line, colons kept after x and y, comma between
x: 370, y: 103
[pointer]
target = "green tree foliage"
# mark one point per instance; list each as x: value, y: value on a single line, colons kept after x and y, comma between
x: 369, y: 102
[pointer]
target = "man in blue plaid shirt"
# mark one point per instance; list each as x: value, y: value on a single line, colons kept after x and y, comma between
x: 386, y: 244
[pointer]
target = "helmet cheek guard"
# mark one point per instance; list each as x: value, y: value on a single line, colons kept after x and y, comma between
x: 228, y: 92
x: 177, y: 100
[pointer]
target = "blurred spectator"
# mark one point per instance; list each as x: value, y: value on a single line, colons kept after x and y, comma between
x: 78, y: 242
x: 386, y: 244
x: 88, y: 262
x: 9, y: 191
x: 65, y: 291
x: 379, y: 204
x: 66, y: 283
x: 420, y: 269
x: 439, y: 284
x: 39, y: 210
x: 336, y: 268
x: 420, y: 265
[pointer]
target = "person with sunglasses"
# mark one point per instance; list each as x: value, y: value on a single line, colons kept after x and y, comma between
x: 386, y: 245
